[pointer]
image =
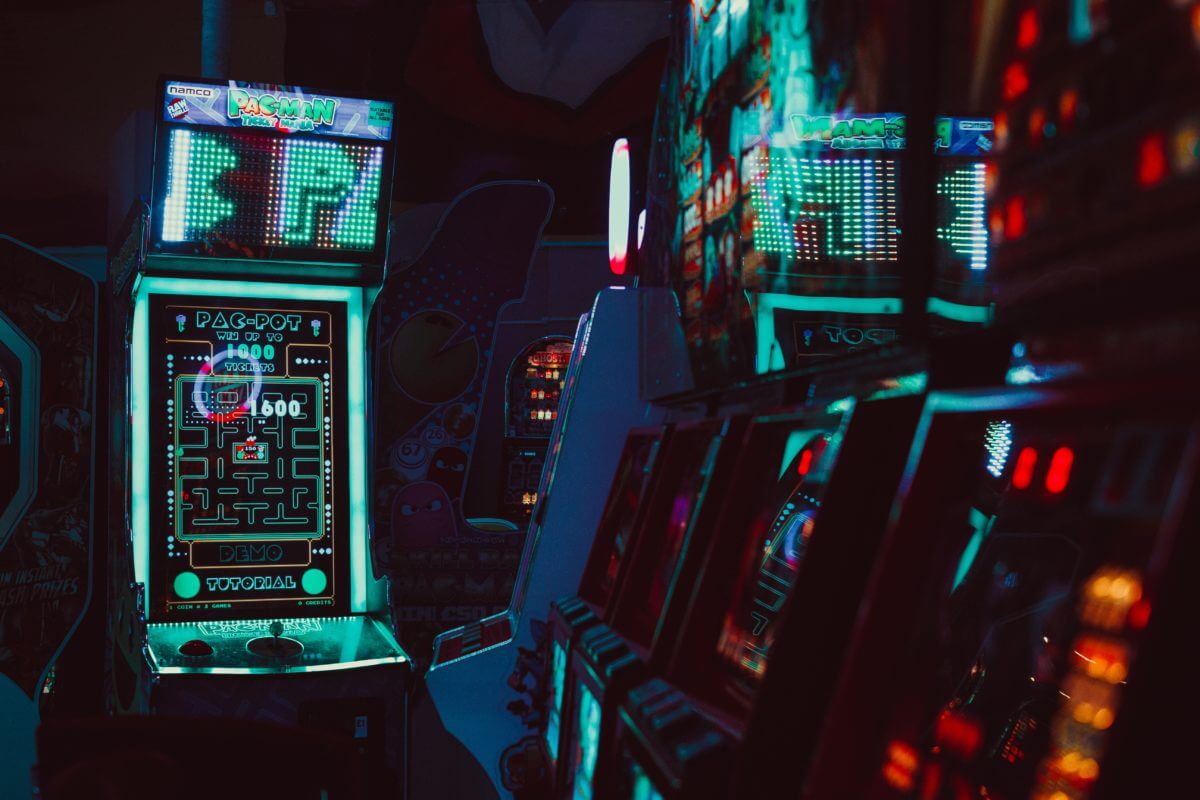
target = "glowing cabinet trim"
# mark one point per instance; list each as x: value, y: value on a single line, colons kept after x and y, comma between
x: 355, y: 302
x: 25, y: 397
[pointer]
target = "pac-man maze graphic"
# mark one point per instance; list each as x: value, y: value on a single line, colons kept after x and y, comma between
x: 249, y: 464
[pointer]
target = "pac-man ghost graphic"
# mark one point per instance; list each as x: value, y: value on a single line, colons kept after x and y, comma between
x: 422, y: 516
x: 448, y: 468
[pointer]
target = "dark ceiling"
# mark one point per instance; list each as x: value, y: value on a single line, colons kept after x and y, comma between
x: 76, y: 70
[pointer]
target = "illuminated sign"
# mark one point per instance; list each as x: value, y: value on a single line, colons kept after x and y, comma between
x: 248, y: 485
x: 250, y: 171
x: 815, y: 209
x: 958, y: 136
x: 288, y: 109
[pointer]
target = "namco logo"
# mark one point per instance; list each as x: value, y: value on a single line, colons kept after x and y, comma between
x: 191, y: 91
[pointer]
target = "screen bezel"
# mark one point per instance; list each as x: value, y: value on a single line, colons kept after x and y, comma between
x: 356, y: 591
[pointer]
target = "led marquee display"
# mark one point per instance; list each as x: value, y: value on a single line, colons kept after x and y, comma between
x: 271, y: 173
x: 248, y: 489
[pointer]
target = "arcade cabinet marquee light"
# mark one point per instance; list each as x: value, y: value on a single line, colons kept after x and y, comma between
x: 278, y: 172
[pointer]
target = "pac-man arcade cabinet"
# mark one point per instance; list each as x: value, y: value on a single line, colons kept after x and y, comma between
x: 243, y: 583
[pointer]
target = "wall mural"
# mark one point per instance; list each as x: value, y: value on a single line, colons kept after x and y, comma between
x: 433, y: 330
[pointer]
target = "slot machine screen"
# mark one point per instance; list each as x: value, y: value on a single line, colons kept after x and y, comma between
x: 775, y: 543
x: 675, y: 495
x: 248, y: 457
x: 586, y: 743
x: 1014, y: 675
x: 615, y: 532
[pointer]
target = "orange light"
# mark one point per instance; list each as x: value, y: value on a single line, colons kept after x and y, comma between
x: 1037, y: 123
x: 805, y: 464
x: 1068, y: 106
x: 1059, y: 473
x: 1023, y: 471
x: 1152, y: 160
x: 1001, y: 128
x: 1028, y: 29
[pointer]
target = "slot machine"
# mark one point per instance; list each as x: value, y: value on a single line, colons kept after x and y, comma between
x: 1023, y: 636
x: 1032, y: 540
x: 643, y: 622
x: 602, y: 398
x: 49, y: 325
x: 242, y: 580
x: 571, y: 615
x: 533, y: 387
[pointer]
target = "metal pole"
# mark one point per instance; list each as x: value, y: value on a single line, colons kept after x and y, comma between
x: 214, y: 38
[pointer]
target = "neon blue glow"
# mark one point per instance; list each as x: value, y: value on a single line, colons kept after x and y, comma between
x: 175, y: 207
x: 27, y: 394
x: 588, y: 738
x: 982, y: 525
x: 770, y: 354
x: 998, y: 441
x: 353, y: 299
x: 966, y: 231
x: 960, y: 312
x: 558, y: 670
x: 1079, y: 22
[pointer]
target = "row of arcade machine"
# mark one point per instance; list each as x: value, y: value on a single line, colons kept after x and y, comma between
x: 958, y: 571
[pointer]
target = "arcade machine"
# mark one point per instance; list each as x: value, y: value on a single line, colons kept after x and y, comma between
x: 242, y: 584
x: 604, y: 396
x: 642, y: 622
x: 532, y: 390
x: 1039, y: 560
x: 49, y: 322
x: 572, y: 614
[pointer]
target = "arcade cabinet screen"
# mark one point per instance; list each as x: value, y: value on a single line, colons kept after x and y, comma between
x: 614, y: 534
x: 248, y: 485
x: 1015, y: 674
x: 251, y: 171
x: 776, y: 541
x: 586, y: 742
x: 675, y: 497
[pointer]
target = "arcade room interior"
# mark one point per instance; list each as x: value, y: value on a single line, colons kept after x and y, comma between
x: 599, y: 399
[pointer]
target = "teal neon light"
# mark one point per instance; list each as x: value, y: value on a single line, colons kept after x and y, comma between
x: 960, y: 312
x: 28, y: 396
x: 770, y: 353
x: 983, y: 526
x: 353, y: 298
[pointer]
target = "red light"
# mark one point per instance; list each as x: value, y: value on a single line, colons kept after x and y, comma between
x: 1028, y: 29
x: 805, y: 464
x: 1059, y: 473
x: 1016, y: 80
x: 1014, y: 223
x: 1139, y: 614
x: 1023, y: 471
x: 1152, y: 160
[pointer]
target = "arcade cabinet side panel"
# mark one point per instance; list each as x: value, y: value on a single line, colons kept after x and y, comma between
x: 48, y: 330
x: 433, y: 335
x: 498, y: 727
